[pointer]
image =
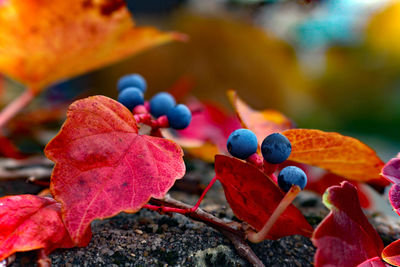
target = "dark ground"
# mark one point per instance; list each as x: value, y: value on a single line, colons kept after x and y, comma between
x: 150, y: 239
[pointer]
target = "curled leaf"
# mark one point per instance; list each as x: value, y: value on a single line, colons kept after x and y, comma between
x: 262, y: 123
x: 374, y: 262
x: 391, y: 170
x: 339, y: 154
x: 103, y: 166
x: 345, y: 237
x: 29, y: 222
x: 394, y: 197
x: 321, y: 183
x: 391, y: 253
x: 253, y: 197
x: 45, y: 41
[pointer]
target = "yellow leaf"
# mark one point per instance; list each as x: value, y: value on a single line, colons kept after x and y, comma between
x: 42, y: 41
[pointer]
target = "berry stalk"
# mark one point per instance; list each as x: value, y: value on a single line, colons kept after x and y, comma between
x: 285, y: 202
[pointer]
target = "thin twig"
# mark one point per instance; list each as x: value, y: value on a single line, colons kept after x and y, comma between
x: 243, y: 249
x: 200, y: 215
x: 15, y: 106
x: 232, y: 230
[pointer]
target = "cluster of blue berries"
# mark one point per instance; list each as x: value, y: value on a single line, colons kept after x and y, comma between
x: 131, y: 94
x: 275, y: 149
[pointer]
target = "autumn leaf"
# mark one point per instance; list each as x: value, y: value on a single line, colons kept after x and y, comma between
x: 42, y: 42
x: 339, y: 154
x: 103, y: 166
x: 253, y: 197
x: 394, y: 197
x: 323, y: 182
x: 374, y: 262
x: 391, y: 170
x: 345, y: 237
x: 29, y: 222
x: 262, y: 123
x: 391, y: 253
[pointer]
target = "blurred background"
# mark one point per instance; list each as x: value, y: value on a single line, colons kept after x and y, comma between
x: 332, y: 65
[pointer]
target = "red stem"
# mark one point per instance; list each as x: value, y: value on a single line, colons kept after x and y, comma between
x: 143, y: 118
x: 212, y: 182
x: 163, y: 209
x: 269, y: 168
x: 140, y: 109
x: 15, y: 106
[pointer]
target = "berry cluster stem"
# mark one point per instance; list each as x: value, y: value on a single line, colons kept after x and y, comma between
x: 285, y: 202
x: 264, y: 166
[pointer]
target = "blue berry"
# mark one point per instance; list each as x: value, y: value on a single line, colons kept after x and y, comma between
x: 276, y: 148
x: 132, y: 80
x: 291, y: 175
x: 131, y: 97
x: 179, y: 117
x: 242, y: 143
x: 161, y: 103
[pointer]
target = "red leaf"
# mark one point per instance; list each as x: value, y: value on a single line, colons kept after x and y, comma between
x: 345, y: 237
x: 320, y: 184
x: 374, y: 262
x: 394, y: 197
x: 103, y: 166
x: 29, y: 222
x: 391, y: 253
x: 253, y: 197
x: 391, y: 170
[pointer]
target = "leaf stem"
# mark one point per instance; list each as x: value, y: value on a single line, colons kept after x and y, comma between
x: 15, y: 106
x: 163, y: 209
x: 285, y: 202
x: 212, y: 182
x: 269, y: 169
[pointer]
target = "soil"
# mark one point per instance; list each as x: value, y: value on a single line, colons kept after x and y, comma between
x: 150, y: 239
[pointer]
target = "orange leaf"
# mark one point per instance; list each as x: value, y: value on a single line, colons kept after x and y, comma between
x: 342, y: 155
x: 262, y: 123
x: 45, y: 41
